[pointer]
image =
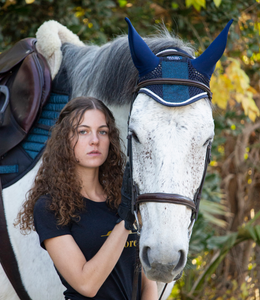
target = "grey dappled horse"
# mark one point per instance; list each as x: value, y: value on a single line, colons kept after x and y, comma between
x: 171, y: 126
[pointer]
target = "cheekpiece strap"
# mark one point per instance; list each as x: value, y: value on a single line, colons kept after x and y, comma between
x: 197, y: 195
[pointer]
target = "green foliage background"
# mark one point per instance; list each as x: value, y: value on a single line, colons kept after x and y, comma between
x: 197, y: 21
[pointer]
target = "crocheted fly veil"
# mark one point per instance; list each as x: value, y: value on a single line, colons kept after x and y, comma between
x: 179, y: 66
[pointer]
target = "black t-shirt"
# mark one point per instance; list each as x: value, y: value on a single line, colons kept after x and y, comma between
x: 90, y: 232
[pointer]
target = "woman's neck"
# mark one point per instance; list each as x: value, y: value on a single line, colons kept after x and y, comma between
x: 91, y: 187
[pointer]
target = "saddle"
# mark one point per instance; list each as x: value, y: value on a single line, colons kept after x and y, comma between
x: 25, y: 85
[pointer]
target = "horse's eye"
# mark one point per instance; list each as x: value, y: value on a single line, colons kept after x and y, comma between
x: 134, y: 135
x: 207, y: 142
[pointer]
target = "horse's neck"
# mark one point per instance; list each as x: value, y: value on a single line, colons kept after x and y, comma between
x: 121, y: 115
x: 106, y: 72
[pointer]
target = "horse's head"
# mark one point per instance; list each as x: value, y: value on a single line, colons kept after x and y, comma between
x: 171, y: 127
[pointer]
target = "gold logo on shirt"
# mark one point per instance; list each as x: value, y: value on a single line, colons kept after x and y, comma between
x: 128, y: 244
x: 111, y: 231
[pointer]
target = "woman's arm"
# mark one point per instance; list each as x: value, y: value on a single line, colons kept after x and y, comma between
x: 86, y: 277
x: 149, y: 289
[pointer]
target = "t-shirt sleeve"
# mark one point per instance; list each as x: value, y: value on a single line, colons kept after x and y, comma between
x: 45, y: 221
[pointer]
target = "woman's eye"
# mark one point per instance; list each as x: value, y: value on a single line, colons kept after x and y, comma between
x: 83, y: 132
x: 103, y: 132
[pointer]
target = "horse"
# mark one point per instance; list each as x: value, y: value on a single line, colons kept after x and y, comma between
x: 170, y: 127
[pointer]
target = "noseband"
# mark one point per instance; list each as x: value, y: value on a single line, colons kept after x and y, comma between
x: 138, y: 198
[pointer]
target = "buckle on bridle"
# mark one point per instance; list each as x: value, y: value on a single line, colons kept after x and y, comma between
x: 137, y: 224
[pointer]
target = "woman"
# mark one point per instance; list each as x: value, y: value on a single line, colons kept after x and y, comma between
x: 73, y: 206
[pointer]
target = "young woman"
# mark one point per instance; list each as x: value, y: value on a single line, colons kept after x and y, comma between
x: 75, y: 202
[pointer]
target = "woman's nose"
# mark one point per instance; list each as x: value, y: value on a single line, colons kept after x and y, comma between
x: 94, y: 139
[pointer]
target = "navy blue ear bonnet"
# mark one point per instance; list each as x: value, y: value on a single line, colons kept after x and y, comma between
x: 179, y: 66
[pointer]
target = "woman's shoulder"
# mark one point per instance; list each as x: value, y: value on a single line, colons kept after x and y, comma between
x: 42, y: 202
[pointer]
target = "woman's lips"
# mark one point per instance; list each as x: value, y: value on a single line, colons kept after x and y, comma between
x: 94, y: 153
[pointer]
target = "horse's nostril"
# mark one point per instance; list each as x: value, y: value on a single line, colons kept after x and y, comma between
x: 181, y: 261
x: 145, y: 258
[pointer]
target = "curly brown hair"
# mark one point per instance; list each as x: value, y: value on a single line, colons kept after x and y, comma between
x: 56, y: 176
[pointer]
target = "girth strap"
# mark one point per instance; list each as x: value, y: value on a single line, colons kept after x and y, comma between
x: 7, y: 256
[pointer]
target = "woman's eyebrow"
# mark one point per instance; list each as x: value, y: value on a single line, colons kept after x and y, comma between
x: 102, y: 126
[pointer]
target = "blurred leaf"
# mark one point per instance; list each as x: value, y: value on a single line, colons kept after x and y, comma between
x: 196, y: 3
x: 217, y: 2
x: 122, y: 3
x: 235, y: 84
x: 211, y: 210
x: 175, y: 5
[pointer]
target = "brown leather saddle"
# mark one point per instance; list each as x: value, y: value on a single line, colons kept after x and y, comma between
x: 25, y: 84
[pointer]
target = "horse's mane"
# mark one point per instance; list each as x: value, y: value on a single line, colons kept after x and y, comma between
x: 107, y: 72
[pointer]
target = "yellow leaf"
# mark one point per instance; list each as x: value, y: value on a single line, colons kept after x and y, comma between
x: 239, y: 97
x: 188, y: 2
x: 29, y: 1
x: 248, y: 104
x: 220, y: 87
x: 201, y: 2
x: 252, y: 90
x: 219, y: 66
x: 213, y: 163
x: 217, y: 2
x: 227, y: 82
x: 234, y: 86
x: 221, y: 101
x: 196, y: 3
x: 238, y: 77
x: 79, y: 12
x: 197, y: 7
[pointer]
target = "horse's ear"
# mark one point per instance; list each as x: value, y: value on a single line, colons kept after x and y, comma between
x: 144, y: 59
x: 206, y: 62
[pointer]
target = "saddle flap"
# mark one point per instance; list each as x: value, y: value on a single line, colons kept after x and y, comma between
x: 26, y: 76
x: 27, y: 86
x: 13, y: 56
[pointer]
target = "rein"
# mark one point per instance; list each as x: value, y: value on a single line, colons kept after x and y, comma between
x: 138, y: 198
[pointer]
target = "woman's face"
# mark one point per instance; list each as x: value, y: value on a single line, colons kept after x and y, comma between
x: 92, y: 147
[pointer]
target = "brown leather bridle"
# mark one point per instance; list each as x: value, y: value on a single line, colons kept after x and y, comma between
x: 138, y: 198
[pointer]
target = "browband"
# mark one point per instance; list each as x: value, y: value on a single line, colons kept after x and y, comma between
x: 177, y: 81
